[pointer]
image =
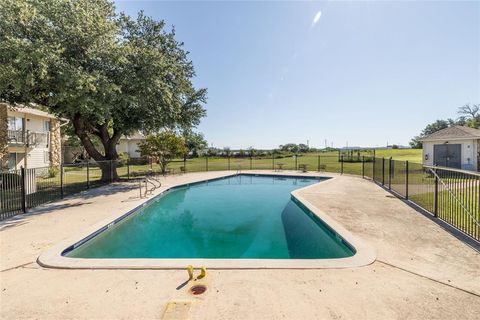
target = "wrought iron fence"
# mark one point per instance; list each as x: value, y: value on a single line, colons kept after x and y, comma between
x: 449, y: 194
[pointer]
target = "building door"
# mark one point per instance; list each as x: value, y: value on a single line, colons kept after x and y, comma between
x: 447, y: 155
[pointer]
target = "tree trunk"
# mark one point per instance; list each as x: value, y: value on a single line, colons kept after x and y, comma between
x: 108, y: 161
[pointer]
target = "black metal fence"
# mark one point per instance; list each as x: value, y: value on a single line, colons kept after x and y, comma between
x: 449, y: 194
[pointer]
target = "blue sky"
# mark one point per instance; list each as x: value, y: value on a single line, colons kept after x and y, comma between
x: 362, y: 72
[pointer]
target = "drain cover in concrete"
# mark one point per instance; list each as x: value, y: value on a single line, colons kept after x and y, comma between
x: 177, y: 310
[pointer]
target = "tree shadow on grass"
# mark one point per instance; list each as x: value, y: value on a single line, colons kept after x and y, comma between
x: 73, y: 200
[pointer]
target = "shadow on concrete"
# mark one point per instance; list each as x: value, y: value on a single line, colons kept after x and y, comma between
x: 475, y: 245
x: 70, y: 201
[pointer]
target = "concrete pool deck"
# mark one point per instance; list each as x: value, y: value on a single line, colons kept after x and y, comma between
x: 421, y: 271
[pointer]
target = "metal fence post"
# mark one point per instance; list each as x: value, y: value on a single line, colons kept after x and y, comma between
x: 318, y: 164
x: 185, y: 164
x: 435, y: 196
x: 24, y: 193
x: 373, y: 168
x: 111, y: 171
x: 273, y: 160
x: 363, y: 167
x: 128, y: 168
x: 383, y: 171
x: 250, y: 162
x: 296, y: 162
x: 228, y: 157
x: 390, y: 161
x: 341, y: 164
x: 61, y: 181
x: 406, y: 180
x: 206, y: 163
x: 88, y: 174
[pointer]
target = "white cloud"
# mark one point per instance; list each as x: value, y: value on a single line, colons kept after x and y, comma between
x: 316, y: 18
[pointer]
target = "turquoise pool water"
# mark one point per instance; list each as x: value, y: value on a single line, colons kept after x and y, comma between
x: 238, y: 217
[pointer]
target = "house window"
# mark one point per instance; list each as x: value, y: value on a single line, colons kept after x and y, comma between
x: 46, y: 157
x: 12, y: 161
x: 15, y: 123
x: 15, y: 160
x: 46, y: 126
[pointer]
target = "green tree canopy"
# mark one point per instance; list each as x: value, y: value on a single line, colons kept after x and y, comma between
x: 429, y: 129
x: 471, y: 115
x: 109, y: 74
x: 195, y: 142
x: 163, y: 147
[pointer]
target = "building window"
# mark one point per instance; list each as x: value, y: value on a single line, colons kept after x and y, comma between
x: 46, y: 126
x: 15, y: 123
x: 12, y: 161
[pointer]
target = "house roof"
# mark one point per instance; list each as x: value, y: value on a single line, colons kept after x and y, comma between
x: 453, y: 133
x: 33, y: 111
x: 136, y: 136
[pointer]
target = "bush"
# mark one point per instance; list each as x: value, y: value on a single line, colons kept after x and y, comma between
x: 122, y: 159
x: 51, y: 172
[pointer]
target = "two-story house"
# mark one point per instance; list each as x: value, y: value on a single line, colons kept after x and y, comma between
x: 29, y: 137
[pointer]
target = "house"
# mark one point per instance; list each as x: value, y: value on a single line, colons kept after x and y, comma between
x: 29, y: 137
x: 129, y: 145
x: 455, y: 147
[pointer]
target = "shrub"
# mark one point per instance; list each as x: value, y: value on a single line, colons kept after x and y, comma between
x: 51, y: 172
x: 122, y: 159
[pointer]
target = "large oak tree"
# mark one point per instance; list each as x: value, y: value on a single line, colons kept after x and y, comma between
x: 109, y: 74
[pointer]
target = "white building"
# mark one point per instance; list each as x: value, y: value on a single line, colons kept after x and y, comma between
x: 129, y: 145
x: 455, y: 147
x: 29, y: 137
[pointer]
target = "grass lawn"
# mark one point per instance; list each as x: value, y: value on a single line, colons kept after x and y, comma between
x: 451, y: 211
x: 414, y: 155
x: 75, y: 176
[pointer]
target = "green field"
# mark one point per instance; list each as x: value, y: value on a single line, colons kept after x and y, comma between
x: 414, y: 155
x: 314, y: 161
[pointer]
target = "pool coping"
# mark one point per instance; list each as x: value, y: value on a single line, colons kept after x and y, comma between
x: 364, y: 253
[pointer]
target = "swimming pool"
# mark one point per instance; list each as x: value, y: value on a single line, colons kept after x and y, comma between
x: 236, y: 217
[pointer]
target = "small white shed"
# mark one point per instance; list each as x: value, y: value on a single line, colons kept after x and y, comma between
x: 455, y: 147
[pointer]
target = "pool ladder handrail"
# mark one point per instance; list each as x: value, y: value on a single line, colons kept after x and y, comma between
x: 149, y: 179
x: 151, y: 176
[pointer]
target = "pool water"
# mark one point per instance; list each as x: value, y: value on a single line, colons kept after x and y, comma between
x: 238, y: 217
